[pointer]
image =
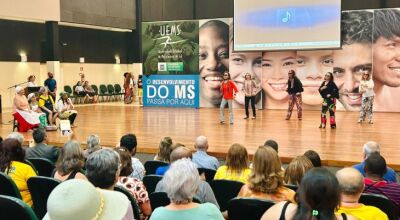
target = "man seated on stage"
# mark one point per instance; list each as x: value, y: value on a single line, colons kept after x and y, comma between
x: 129, y: 142
x: 26, y: 118
x: 351, y: 183
x: 373, y: 147
x: 41, y: 149
x: 201, y: 158
x: 375, y: 168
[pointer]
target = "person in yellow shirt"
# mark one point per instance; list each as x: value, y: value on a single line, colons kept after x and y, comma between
x: 11, y: 163
x: 351, y: 183
x: 47, y: 105
x: 237, y: 165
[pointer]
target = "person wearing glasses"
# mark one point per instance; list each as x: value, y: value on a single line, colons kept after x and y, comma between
x: 228, y: 90
x: 329, y: 92
x: 295, y: 88
x: 366, y: 88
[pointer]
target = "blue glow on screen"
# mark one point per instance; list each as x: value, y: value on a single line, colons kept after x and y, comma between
x: 290, y: 17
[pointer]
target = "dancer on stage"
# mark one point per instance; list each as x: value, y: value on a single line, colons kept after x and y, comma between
x: 295, y: 88
x: 228, y: 90
x: 249, y: 89
x: 329, y: 92
x: 366, y: 88
x: 128, y: 87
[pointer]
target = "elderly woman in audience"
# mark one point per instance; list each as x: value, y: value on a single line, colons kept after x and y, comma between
x: 182, y: 182
x: 266, y: 181
x: 313, y: 156
x: 317, y: 198
x: 133, y: 185
x: 92, y: 145
x: 65, y: 108
x: 237, y: 165
x: 47, y: 105
x: 27, y: 119
x: 12, y: 163
x: 297, y: 169
x: 70, y: 162
x: 164, y: 150
x: 17, y: 136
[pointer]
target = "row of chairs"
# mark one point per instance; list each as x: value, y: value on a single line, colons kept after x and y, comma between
x: 106, y: 92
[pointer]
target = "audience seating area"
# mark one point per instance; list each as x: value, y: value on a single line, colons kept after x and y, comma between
x: 106, y: 93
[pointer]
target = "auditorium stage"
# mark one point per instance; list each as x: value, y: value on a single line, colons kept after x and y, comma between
x: 339, y: 147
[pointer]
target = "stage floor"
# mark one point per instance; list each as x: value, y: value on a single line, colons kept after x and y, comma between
x: 339, y: 147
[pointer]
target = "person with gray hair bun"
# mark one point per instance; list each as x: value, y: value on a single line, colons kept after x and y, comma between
x: 201, y: 158
x: 351, y: 183
x: 373, y: 147
x: 93, y: 144
x: 181, y: 184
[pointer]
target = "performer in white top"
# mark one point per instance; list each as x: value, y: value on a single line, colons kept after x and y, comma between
x: 31, y: 81
x: 367, y: 89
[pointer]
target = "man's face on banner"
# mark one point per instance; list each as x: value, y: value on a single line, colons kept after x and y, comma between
x: 387, y: 61
x: 349, y: 64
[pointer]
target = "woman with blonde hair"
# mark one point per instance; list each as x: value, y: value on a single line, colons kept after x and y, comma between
x: 297, y: 168
x: 70, y: 162
x: 165, y: 149
x: 266, y: 181
x: 237, y: 165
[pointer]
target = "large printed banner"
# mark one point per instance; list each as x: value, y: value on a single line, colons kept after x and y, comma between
x: 170, y: 47
x: 171, y: 91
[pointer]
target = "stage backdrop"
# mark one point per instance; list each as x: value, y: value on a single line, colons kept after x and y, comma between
x: 368, y: 44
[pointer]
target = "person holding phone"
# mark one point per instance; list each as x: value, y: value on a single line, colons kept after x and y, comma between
x: 329, y: 92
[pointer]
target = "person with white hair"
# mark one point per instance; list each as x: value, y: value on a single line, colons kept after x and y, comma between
x: 17, y: 136
x: 351, y: 184
x: 201, y: 158
x: 182, y: 182
x: 373, y: 147
x: 27, y: 119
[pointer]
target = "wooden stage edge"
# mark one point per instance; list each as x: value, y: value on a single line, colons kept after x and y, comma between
x: 337, y: 147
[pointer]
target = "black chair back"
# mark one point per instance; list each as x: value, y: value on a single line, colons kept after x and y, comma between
x: 13, y: 208
x: 8, y: 187
x: 158, y: 199
x: 152, y: 165
x: 68, y: 90
x: 209, y: 174
x: 225, y: 190
x: 150, y: 182
x: 248, y: 208
x: 44, y: 166
x: 134, y: 205
x: 40, y: 188
x: 381, y: 202
x: 291, y: 186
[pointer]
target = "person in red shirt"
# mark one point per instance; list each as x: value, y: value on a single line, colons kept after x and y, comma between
x: 228, y: 90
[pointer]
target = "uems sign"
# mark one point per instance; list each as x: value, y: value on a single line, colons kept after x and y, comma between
x: 171, y: 91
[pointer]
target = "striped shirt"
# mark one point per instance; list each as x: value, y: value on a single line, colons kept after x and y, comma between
x: 390, y: 190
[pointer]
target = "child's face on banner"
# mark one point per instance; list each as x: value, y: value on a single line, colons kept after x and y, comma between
x: 311, y: 68
x: 349, y: 64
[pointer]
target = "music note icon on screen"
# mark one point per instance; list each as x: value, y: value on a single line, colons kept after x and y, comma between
x: 287, y: 18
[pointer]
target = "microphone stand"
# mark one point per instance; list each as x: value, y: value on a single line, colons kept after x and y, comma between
x: 14, y: 86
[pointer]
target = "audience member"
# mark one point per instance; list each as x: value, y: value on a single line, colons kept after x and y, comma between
x: 201, y: 158
x: 179, y: 151
x: 375, y: 168
x: 318, y: 197
x: 351, y: 184
x: 164, y: 150
x: 204, y: 192
x: 133, y: 185
x: 17, y: 136
x: 70, y: 162
x: 181, y: 184
x: 272, y: 143
x: 296, y: 169
x: 40, y: 148
x: 78, y: 199
x: 92, y: 145
x: 266, y: 181
x: 12, y: 163
x: 237, y: 165
x: 47, y: 105
x: 313, y: 156
x: 65, y: 109
x: 369, y: 148
x: 129, y: 142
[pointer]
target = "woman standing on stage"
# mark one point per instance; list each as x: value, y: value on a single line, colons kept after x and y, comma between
x: 128, y: 87
x: 250, y: 90
x: 295, y: 88
x: 228, y: 90
x: 367, y: 89
x: 329, y: 92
